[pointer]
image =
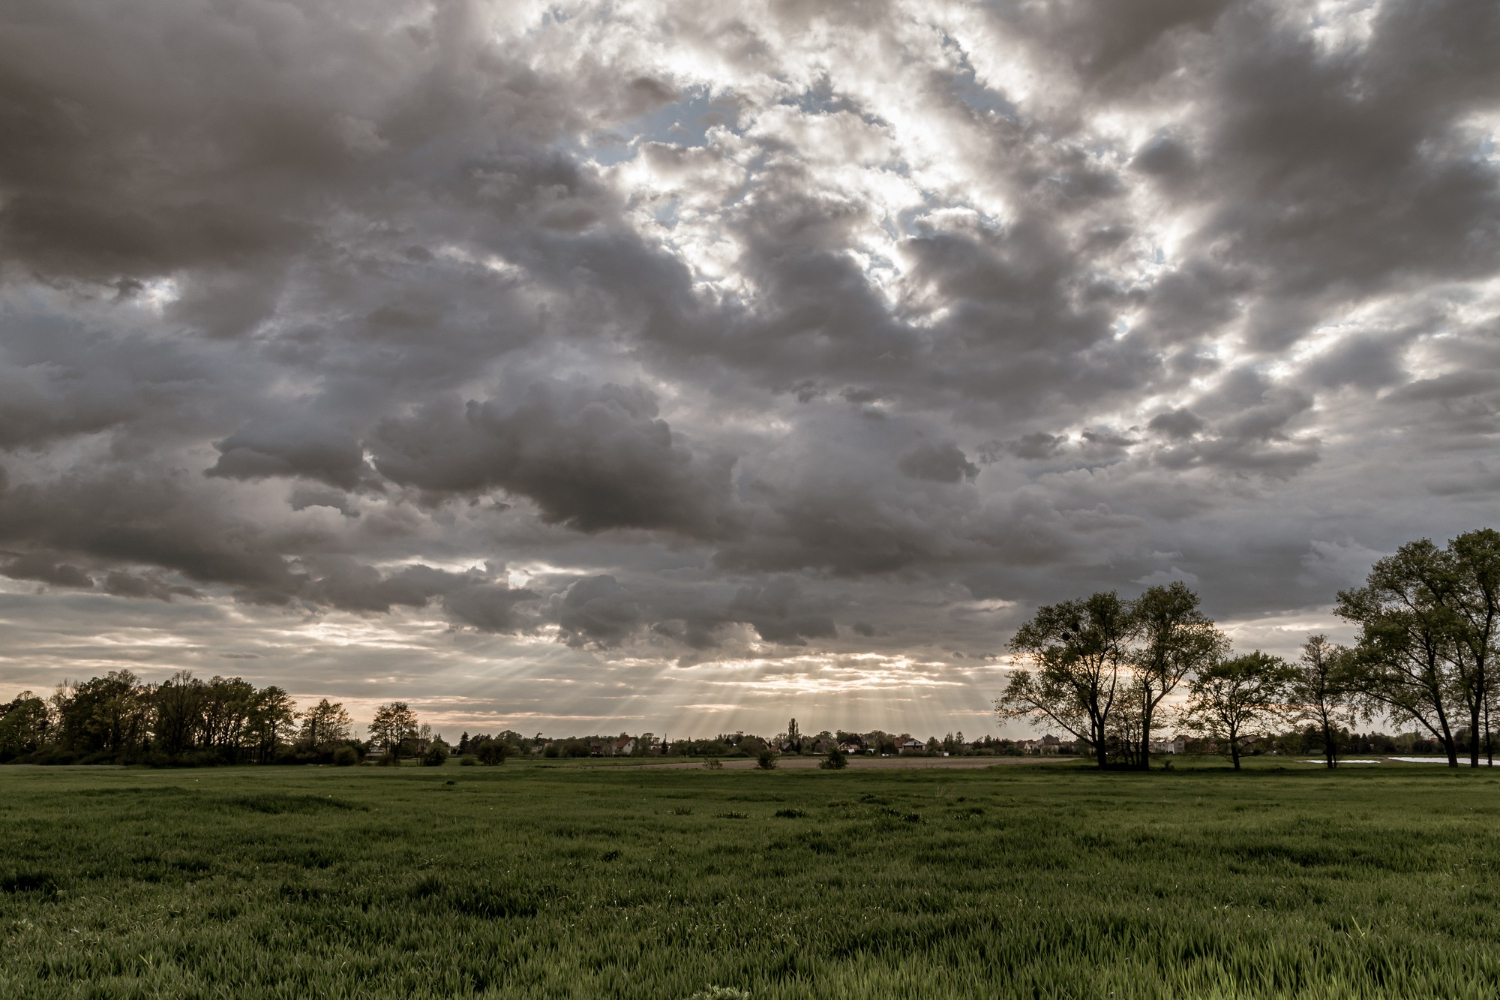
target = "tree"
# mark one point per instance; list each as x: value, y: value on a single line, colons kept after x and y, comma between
x: 793, y: 737
x: 324, y: 726
x: 1323, y: 683
x: 393, y: 725
x: 104, y: 715
x: 177, y: 705
x: 1474, y: 566
x: 836, y: 760
x: 1079, y: 649
x: 24, y: 725
x: 272, y: 715
x: 1230, y: 698
x: 1406, y: 646
x: 766, y: 759
x: 226, y: 707
x: 437, y: 754
x: 1176, y: 641
x: 490, y: 751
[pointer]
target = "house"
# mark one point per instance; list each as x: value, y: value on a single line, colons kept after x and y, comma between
x: 913, y: 746
x: 851, y: 746
x: 625, y: 747
x: 823, y: 745
x: 1177, y: 744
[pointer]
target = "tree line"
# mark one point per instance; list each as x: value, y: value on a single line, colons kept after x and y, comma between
x: 187, y: 721
x: 1103, y: 667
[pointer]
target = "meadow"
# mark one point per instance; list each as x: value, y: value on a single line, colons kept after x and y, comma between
x: 528, y: 881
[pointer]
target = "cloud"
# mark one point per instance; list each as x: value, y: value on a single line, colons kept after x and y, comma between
x: 941, y: 463
x: 662, y: 339
x: 590, y: 458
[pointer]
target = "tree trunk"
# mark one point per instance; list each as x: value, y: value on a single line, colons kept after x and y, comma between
x: 1329, y: 752
x: 1474, y: 731
x: 1450, y: 745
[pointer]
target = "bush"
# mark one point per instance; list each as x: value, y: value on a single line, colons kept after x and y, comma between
x: 467, y: 761
x: 345, y: 756
x: 492, y: 752
x: 713, y: 764
x: 436, y: 755
x: 767, y: 759
x: 836, y: 761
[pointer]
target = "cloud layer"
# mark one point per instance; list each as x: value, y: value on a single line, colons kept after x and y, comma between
x: 679, y: 363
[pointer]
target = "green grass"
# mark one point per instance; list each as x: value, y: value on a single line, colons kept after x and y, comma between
x: 526, y: 881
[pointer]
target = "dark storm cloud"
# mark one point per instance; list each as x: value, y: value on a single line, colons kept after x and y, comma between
x: 41, y: 567
x: 887, y: 326
x: 780, y: 612
x: 598, y: 610
x: 942, y: 463
x: 291, y: 449
x: 591, y: 459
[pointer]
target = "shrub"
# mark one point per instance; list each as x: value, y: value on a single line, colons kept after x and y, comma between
x: 467, y: 761
x: 767, y: 759
x: 713, y: 764
x: 436, y: 755
x: 836, y: 760
x: 346, y: 756
x: 492, y: 752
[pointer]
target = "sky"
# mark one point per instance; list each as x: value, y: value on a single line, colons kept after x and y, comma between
x: 687, y: 366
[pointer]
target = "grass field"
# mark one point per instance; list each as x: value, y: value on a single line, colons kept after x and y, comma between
x: 528, y: 881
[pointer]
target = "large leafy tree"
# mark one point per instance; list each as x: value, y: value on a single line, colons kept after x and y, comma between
x: 104, y: 715
x: 393, y: 726
x: 1080, y: 650
x: 1473, y: 594
x: 1408, y: 647
x: 272, y: 715
x: 1103, y: 667
x: 1322, y: 688
x: 324, y: 726
x: 177, y: 707
x: 24, y: 726
x: 1232, y: 699
x: 1176, y: 640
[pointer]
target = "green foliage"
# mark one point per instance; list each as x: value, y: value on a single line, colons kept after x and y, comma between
x: 346, y: 756
x: 394, y: 727
x: 437, y: 754
x: 836, y: 760
x: 491, y: 751
x: 713, y: 764
x: 1238, y: 697
x: 1103, y: 667
x: 766, y: 759
x: 540, y: 881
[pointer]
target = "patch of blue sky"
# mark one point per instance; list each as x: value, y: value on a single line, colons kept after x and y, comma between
x: 687, y: 122
x: 821, y: 99
x: 684, y: 122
